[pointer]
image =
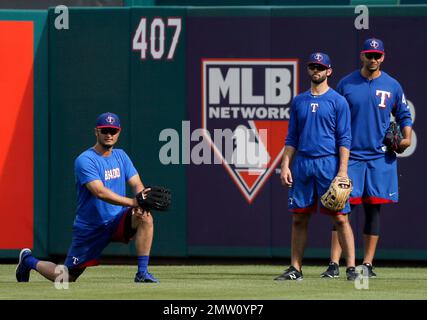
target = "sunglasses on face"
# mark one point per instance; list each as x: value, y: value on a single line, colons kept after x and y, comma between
x: 374, y: 55
x: 317, y: 66
x: 111, y: 131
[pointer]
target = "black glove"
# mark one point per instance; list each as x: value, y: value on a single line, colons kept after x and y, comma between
x: 393, y: 137
x: 157, y: 198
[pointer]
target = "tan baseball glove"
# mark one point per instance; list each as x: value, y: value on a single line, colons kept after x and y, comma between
x: 338, y: 193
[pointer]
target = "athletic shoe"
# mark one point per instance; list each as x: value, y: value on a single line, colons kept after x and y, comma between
x: 22, y: 271
x: 371, y: 273
x: 333, y: 271
x: 290, y: 274
x: 145, y: 277
x: 351, y: 273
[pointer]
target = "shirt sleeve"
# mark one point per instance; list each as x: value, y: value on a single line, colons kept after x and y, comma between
x: 130, y: 170
x: 85, y: 170
x: 292, y: 137
x: 343, y: 133
x: 401, y: 110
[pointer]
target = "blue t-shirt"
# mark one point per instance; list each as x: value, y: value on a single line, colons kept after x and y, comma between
x: 371, y: 103
x: 114, y: 171
x: 319, y: 125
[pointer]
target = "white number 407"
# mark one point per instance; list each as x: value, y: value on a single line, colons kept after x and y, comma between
x: 156, y: 37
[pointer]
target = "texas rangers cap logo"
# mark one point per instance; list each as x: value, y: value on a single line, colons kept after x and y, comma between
x: 318, y: 57
x: 249, y: 98
x: 110, y: 119
x: 374, y: 44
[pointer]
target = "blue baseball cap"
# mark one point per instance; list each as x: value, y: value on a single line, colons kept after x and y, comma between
x: 373, y: 45
x: 320, y: 58
x: 108, y: 120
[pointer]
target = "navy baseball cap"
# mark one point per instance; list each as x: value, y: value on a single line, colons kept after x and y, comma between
x: 320, y: 58
x: 373, y: 45
x: 108, y: 120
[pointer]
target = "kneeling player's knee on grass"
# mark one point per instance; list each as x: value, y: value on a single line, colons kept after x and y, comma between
x: 73, y: 274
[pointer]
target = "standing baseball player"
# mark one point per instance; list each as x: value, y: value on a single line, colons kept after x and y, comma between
x: 104, y: 213
x: 372, y: 95
x: 319, y: 137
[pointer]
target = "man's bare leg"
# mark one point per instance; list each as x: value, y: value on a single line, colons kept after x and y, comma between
x: 336, y: 250
x: 299, y: 238
x: 346, y: 238
x: 144, y: 233
x: 143, y: 223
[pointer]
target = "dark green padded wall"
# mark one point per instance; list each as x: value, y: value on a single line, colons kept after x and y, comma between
x: 158, y: 96
x: 94, y: 70
x: 89, y: 75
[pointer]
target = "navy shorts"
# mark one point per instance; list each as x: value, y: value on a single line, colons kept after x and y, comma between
x: 374, y: 181
x: 311, y: 178
x: 88, y: 243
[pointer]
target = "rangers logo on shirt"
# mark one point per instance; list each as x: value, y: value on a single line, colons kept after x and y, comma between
x: 384, y: 95
x: 250, y: 98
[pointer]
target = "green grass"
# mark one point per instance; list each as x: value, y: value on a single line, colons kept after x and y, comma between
x: 217, y: 282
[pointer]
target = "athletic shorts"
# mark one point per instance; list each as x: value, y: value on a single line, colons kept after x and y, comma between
x: 311, y: 178
x: 88, y: 243
x: 374, y: 181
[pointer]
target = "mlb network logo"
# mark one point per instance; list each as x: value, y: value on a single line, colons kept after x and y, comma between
x: 251, y: 97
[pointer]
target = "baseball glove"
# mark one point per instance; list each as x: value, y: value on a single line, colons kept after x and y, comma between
x: 157, y: 198
x: 338, y: 193
x: 393, y: 137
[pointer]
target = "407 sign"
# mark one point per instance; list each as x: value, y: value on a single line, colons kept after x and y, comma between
x: 150, y: 37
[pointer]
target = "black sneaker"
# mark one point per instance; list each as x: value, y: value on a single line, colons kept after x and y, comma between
x: 333, y: 271
x: 371, y: 273
x: 351, y: 273
x: 290, y: 274
x: 22, y: 271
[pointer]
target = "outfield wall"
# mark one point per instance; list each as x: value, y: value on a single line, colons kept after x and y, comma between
x: 101, y: 64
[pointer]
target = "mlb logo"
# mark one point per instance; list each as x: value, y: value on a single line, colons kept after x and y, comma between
x: 249, y: 98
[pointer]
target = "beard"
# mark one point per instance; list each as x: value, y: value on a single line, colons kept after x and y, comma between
x: 372, y: 68
x: 318, y: 80
x: 105, y: 146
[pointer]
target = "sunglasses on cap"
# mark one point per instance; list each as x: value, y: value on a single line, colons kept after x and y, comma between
x: 375, y: 55
x: 111, y: 131
x: 317, y: 66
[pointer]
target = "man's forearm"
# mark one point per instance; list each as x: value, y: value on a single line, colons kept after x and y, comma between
x: 138, y: 188
x: 111, y: 197
x: 407, y: 132
x: 288, y: 155
x: 344, y: 156
x: 136, y: 184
